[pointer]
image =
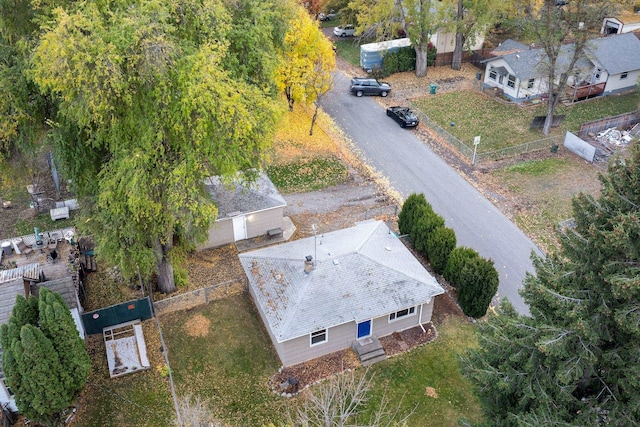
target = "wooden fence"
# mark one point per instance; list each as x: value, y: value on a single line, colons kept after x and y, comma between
x: 200, y: 296
x: 619, y: 121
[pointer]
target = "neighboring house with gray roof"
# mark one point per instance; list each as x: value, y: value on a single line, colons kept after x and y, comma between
x: 25, y: 280
x: 610, y: 65
x: 363, y: 282
x: 245, y: 210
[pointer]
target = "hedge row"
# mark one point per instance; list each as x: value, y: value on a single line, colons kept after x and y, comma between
x: 403, y: 59
x: 475, y: 278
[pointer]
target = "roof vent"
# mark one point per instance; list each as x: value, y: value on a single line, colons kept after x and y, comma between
x: 308, y: 264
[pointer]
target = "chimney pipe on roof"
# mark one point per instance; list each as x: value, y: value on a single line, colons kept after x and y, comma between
x: 308, y: 264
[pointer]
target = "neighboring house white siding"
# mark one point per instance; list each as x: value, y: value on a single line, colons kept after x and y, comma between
x: 618, y: 82
x: 6, y: 399
x: 446, y: 42
x: 609, y: 65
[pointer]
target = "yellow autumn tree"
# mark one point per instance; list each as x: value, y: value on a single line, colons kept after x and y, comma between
x: 305, y: 73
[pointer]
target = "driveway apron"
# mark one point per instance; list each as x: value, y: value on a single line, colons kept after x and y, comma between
x: 412, y: 167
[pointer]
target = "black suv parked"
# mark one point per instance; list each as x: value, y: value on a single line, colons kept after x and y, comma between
x: 366, y: 86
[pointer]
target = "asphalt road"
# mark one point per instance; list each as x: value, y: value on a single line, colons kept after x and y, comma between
x: 412, y: 167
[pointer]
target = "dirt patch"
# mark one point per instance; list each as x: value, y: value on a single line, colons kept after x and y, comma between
x: 431, y: 392
x: 197, y: 326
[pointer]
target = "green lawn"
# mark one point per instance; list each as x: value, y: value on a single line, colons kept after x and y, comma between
x: 406, y: 377
x: 501, y: 125
x: 232, y: 363
x: 349, y: 49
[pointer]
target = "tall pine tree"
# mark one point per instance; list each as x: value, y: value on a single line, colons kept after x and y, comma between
x: 44, y: 359
x: 575, y: 361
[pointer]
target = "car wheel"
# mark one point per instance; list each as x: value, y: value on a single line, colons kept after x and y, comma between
x: 403, y: 125
x: 388, y: 113
x: 383, y: 93
x: 343, y: 35
x: 359, y: 93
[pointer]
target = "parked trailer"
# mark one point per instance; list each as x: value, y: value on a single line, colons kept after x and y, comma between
x: 372, y: 54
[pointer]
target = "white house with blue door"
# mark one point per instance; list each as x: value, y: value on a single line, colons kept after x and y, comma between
x: 320, y: 294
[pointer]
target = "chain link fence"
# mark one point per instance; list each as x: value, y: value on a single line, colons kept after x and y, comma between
x: 467, y: 152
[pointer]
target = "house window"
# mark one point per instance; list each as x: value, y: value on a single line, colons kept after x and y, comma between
x: 318, y: 337
x: 530, y: 83
x: 624, y: 75
x: 493, y: 74
x: 402, y: 313
x: 511, y: 81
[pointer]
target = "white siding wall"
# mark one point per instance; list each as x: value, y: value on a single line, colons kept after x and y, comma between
x: 615, y: 83
x: 340, y: 337
x: 5, y: 399
x: 260, y: 222
x: 446, y: 42
x: 257, y: 223
x: 220, y: 233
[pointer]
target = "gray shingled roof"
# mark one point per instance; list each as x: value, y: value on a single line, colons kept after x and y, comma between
x: 509, y: 46
x: 235, y: 198
x: 362, y: 272
x: 618, y: 53
x: 529, y: 64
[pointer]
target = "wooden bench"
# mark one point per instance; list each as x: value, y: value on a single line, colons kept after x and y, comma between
x: 274, y: 232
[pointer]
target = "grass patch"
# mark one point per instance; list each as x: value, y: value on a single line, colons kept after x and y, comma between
x: 229, y: 364
x: 406, y: 377
x: 501, y: 125
x: 473, y: 114
x: 308, y: 175
x: 538, y: 168
x: 43, y: 222
x: 229, y: 361
x: 544, y: 189
x: 349, y: 49
x: 139, y: 399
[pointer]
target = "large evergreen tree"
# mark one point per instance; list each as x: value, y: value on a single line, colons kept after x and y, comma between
x: 44, y: 359
x: 575, y: 361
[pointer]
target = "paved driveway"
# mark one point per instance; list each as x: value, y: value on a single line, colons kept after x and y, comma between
x: 412, y: 167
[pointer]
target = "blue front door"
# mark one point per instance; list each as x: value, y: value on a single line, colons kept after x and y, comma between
x: 364, y: 329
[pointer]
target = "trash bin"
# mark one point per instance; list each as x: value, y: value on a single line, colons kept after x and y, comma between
x: 432, y: 88
x: 6, y: 248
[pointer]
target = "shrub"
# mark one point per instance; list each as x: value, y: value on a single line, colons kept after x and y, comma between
x: 426, y: 221
x: 403, y: 59
x: 455, y: 262
x: 406, y: 217
x: 431, y: 54
x: 477, y: 285
x: 440, y: 243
